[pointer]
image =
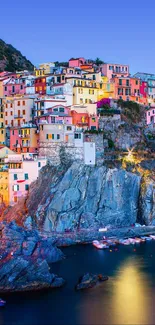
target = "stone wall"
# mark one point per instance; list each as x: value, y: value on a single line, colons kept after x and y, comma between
x: 58, y: 152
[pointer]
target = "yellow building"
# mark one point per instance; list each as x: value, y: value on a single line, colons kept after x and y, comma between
x: 4, y: 177
x: 105, y: 89
x: 39, y: 72
x: 46, y: 67
x: 84, y: 90
x: 4, y: 186
x: 2, y: 122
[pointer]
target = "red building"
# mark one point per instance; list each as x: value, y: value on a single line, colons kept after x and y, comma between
x: 143, y: 92
x: 84, y: 120
x: 40, y: 85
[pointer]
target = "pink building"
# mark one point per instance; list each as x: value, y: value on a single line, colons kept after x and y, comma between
x: 76, y: 62
x: 56, y: 115
x: 143, y: 92
x: 14, y: 86
x: 21, y: 173
x: 24, y: 139
x: 150, y: 116
x: 111, y: 70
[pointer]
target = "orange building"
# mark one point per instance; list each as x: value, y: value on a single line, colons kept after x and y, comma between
x: 135, y: 89
x: 84, y: 120
x: 122, y: 88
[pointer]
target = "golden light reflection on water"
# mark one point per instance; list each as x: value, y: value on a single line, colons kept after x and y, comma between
x: 126, y: 298
x: 131, y: 297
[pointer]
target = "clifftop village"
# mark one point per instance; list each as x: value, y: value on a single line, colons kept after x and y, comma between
x: 61, y: 107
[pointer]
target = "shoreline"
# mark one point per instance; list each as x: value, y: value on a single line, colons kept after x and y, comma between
x: 87, y: 236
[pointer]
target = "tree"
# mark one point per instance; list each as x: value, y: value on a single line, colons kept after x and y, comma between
x: 98, y: 61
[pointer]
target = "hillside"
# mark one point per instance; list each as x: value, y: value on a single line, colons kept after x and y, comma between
x: 12, y: 60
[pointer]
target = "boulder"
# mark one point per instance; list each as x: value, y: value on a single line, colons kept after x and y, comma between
x: 90, y: 280
x: 19, y: 274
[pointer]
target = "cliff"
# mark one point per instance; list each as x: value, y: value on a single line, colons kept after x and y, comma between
x: 84, y: 197
x: 12, y: 60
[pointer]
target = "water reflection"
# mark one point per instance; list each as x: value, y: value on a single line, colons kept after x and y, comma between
x: 131, y: 298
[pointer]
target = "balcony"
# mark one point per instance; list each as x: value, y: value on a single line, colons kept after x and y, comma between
x: 24, y: 136
x: 18, y: 116
x: 26, y: 145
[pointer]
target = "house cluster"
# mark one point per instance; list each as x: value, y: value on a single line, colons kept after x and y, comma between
x: 52, y: 106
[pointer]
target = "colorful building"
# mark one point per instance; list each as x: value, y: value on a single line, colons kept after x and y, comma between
x: 84, y: 120
x: 76, y: 62
x: 111, y: 70
x: 4, y: 179
x: 63, y: 90
x: 122, y: 88
x: 18, y: 110
x: 24, y: 139
x: 84, y: 90
x: 40, y: 85
x: 105, y: 89
x: 150, y: 116
x: 21, y: 173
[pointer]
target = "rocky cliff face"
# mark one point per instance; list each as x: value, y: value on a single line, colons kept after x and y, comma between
x: 83, y: 197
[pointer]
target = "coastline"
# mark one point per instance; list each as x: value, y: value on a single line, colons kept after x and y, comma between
x: 87, y: 236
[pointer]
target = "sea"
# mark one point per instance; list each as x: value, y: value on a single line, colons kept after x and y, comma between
x: 128, y: 297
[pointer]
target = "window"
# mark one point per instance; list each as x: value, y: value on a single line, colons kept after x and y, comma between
x: 23, y: 111
x: 11, y: 105
x: 110, y: 67
x: 12, y: 132
x: 15, y: 177
x: 18, y: 103
x: 21, y: 87
x: 55, y: 109
x: 120, y: 82
x: 127, y: 82
x: 136, y: 82
x: 52, y: 136
x: 58, y: 136
x: 6, y: 122
x: 26, y: 176
x: 63, y: 77
x: 5, y: 88
x: 6, y: 113
x: 6, y: 106
x: 94, y: 77
x: 93, y: 119
x: 86, y: 101
x: 26, y: 187
x: 15, y: 188
x: 39, y: 164
x: 46, y: 136
x: 11, y: 113
x: 23, y: 102
x: 77, y: 136
x: 69, y: 128
x: 61, y: 109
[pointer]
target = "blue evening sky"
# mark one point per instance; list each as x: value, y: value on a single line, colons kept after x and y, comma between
x: 117, y: 31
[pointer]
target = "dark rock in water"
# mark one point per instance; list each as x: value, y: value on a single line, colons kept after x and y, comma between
x: 90, y: 280
x: 18, y: 274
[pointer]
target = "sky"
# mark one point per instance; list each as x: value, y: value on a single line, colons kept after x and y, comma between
x: 117, y: 31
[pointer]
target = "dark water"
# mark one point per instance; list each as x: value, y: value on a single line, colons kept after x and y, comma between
x: 128, y: 297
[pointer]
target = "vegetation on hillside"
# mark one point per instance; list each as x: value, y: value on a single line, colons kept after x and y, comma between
x: 132, y: 111
x: 12, y: 60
